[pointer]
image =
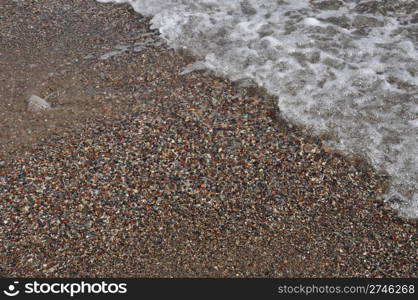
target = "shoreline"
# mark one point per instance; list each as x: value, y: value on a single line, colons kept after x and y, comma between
x: 146, y: 173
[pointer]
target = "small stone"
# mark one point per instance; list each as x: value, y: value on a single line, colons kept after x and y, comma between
x: 36, y: 104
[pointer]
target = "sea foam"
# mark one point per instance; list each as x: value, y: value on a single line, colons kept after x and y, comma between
x: 345, y: 68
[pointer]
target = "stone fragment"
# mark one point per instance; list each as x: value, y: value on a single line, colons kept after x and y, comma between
x: 36, y: 104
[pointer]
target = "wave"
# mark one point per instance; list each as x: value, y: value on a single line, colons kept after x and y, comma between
x: 346, y: 69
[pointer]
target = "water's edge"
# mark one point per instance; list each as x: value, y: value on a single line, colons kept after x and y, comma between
x: 343, y: 70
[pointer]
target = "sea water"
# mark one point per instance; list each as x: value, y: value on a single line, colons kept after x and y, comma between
x: 344, y: 68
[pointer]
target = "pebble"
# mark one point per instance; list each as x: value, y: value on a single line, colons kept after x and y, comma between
x: 186, y: 176
x: 36, y: 104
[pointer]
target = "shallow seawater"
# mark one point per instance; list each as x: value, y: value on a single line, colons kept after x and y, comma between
x: 347, y: 69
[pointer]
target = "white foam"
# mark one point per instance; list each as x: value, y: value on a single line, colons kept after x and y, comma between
x: 313, y: 22
x: 334, y: 70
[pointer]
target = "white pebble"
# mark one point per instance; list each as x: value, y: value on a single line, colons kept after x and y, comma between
x: 36, y: 103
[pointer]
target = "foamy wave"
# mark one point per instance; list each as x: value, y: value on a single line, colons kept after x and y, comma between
x: 344, y: 67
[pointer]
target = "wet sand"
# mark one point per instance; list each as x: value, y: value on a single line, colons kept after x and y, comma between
x: 138, y: 171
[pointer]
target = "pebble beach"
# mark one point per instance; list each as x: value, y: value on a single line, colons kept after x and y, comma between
x: 138, y: 171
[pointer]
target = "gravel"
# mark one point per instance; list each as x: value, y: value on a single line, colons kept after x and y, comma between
x: 148, y: 173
